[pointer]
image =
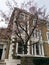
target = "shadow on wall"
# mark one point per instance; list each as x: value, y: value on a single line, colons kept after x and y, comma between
x: 41, y: 61
x: 34, y: 61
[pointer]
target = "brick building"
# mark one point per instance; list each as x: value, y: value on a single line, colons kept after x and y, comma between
x: 12, y: 52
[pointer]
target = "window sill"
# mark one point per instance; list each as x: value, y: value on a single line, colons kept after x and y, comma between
x: 29, y: 55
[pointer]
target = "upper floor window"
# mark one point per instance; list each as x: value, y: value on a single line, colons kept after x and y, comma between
x: 37, y: 49
x: 34, y: 22
x: 22, y: 17
x: 48, y: 37
x: 37, y: 34
x: 48, y: 25
x: 20, y: 48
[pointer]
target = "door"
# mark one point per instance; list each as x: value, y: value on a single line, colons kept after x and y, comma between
x: 1, y: 50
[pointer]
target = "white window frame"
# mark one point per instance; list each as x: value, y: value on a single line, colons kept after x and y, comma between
x: 48, y: 25
x: 34, y: 22
x: 41, y: 50
x: 38, y: 33
x: 17, y: 49
x: 47, y: 37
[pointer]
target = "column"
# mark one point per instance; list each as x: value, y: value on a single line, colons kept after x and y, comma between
x: 39, y: 49
x: 16, y: 48
x: 42, y: 50
x: 4, y: 52
x: 10, y: 51
x: 35, y: 49
x: 28, y: 48
x: 32, y: 49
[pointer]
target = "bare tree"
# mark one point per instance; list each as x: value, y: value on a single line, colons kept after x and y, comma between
x: 23, y: 25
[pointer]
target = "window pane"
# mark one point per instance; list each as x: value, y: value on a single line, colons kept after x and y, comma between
x: 21, y: 17
x: 34, y: 22
x: 20, y: 48
x: 48, y: 37
x: 33, y: 50
x: 37, y: 49
x: 48, y: 25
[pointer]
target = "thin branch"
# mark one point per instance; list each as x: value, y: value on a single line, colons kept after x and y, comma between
x: 19, y: 37
x: 32, y: 30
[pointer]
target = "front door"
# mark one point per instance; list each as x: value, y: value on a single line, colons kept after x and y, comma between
x: 1, y: 50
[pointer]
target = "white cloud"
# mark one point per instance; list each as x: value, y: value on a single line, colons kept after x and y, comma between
x: 6, y: 10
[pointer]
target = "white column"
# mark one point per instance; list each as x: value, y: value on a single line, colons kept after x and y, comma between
x: 42, y: 50
x: 4, y: 52
x: 32, y: 49
x: 35, y: 49
x: 39, y: 49
x: 28, y: 48
x: 16, y: 48
x: 10, y: 51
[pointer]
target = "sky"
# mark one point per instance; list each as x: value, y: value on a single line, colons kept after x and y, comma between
x: 4, y: 8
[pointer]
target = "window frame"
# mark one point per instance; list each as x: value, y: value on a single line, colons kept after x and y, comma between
x: 34, y: 22
x: 40, y: 50
x: 47, y: 36
x: 48, y: 26
x: 22, y: 16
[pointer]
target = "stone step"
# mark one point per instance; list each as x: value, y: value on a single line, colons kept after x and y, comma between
x: 2, y: 62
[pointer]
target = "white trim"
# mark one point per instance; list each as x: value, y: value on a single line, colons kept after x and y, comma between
x: 41, y: 50
x: 35, y: 49
x: 34, y: 22
x: 47, y: 37
x: 23, y: 55
x: 16, y: 47
x: 28, y: 47
x: 32, y: 49
x: 4, y: 52
x: 48, y: 26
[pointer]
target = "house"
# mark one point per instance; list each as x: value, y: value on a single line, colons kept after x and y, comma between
x: 12, y: 50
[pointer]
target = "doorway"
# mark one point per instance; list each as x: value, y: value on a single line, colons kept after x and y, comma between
x: 1, y: 50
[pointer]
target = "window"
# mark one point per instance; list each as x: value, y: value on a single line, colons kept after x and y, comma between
x: 37, y: 34
x: 34, y: 22
x: 37, y: 49
x: 22, y: 17
x: 20, y: 48
x: 48, y: 25
x: 48, y: 37
x: 20, y: 30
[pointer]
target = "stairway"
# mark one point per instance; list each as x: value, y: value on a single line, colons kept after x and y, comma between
x: 2, y: 62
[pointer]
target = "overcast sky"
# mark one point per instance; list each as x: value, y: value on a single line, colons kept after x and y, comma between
x: 4, y: 8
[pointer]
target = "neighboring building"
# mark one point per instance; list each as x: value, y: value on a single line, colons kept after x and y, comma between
x: 12, y: 53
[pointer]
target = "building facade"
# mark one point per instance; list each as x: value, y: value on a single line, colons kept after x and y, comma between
x: 12, y: 52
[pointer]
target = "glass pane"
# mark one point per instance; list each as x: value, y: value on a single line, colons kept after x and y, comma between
x: 20, y: 48
x: 37, y: 49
